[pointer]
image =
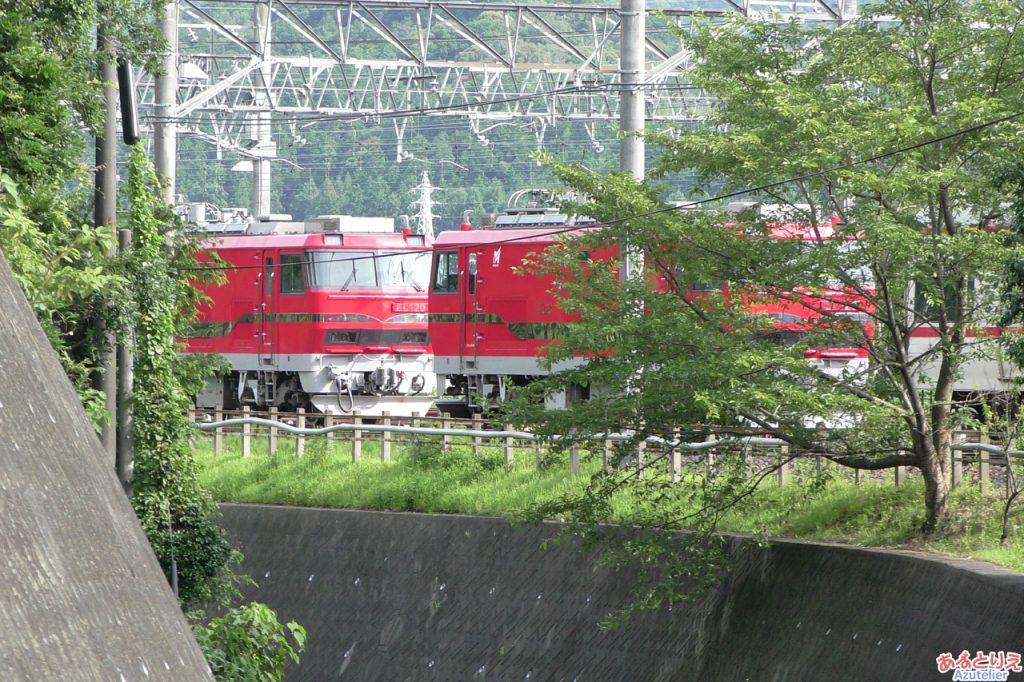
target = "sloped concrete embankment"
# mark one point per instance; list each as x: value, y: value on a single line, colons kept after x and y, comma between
x: 82, y: 596
x: 393, y: 596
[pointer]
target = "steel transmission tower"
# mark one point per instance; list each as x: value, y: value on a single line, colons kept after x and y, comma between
x: 424, y: 205
x: 373, y: 60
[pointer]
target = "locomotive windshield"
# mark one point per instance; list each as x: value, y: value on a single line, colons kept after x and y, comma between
x: 343, y: 270
x: 398, y: 269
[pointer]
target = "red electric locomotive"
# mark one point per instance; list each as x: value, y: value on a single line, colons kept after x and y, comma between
x: 326, y: 314
x: 489, y: 325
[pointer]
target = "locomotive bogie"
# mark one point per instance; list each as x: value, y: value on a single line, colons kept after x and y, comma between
x: 330, y: 384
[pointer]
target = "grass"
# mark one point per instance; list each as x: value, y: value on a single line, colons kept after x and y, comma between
x: 423, y: 478
x: 419, y: 478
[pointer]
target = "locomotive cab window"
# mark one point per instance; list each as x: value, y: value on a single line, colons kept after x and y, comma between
x: 341, y: 270
x: 446, y: 272
x: 472, y: 273
x: 291, y: 274
x: 930, y: 308
x: 709, y: 286
x: 405, y: 270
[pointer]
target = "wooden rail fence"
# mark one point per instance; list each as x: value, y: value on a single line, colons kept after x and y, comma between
x: 975, y: 459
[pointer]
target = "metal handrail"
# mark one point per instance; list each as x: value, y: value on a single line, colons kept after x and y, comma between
x: 746, y: 441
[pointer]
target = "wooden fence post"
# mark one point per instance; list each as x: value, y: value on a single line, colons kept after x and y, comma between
x: 675, y: 458
x: 192, y: 431
x: 445, y: 438
x: 300, y: 439
x: 246, y: 434
x: 641, y: 449
x: 357, y: 437
x: 328, y: 422
x: 984, y: 466
x: 510, y: 455
x: 783, y: 472
x: 272, y: 434
x: 218, y: 433
x: 478, y: 425
x: 711, y: 438
x: 574, y: 459
x: 385, y: 438
x: 901, y: 475
x: 606, y: 454
x: 415, y: 422
x: 957, y: 468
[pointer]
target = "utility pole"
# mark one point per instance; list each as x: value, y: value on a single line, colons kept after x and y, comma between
x: 125, y: 460
x: 125, y: 353
x: 105, y: 213
x: 632, y: 111
x: 165, y: 129
x: 264, y: 148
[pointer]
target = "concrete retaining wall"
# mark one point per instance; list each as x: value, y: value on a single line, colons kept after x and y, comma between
x: 394, y: 596
x: 82, y: 596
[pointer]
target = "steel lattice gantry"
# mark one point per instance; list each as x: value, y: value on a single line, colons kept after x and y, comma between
x: 240, y: 63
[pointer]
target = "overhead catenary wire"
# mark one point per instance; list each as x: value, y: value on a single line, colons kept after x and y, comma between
x: 359, y: 116
x: 371, y: 41
x: 697, y: 202
x: 466, y: 148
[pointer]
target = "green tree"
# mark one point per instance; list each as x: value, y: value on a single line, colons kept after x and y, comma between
x: 176, y: 512
x: 48, y: 90
x: 901, y: 126
x: 61, y: 273
x: 308, y: 196
x: 48, y: 83
x: 248, y: 644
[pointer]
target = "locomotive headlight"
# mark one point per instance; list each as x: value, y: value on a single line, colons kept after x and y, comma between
x: 419, y: 338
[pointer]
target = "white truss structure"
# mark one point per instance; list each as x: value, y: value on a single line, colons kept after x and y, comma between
x: 245, y: 64
x: 376, y: 59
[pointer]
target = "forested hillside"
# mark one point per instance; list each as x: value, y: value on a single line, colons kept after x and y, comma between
x: 353, y: 166
x: 351, y: 169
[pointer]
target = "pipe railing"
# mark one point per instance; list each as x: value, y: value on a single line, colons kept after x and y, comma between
x: 675, y: 448
x: 745, y: 441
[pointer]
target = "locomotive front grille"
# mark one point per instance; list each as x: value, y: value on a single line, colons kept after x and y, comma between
x: 377, y: 337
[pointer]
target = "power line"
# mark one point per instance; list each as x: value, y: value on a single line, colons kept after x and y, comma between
x: 698, y: 202
x: 342, y: 163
